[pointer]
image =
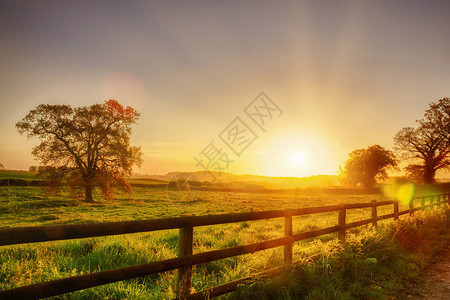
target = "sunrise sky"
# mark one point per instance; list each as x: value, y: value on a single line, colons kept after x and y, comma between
x: 346, y: 74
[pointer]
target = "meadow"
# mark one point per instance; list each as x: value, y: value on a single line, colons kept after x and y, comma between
x: 32, y: 263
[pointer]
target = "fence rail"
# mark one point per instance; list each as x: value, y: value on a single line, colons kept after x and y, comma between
x: 186, y: 259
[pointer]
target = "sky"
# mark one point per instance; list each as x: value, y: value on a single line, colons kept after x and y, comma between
x: 343, y: 74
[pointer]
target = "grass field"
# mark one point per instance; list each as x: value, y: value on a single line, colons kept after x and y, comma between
x: 11, y: 174
x: 31, y: 263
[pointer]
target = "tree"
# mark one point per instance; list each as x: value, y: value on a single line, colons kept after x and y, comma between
x: 428, y: 145
x: 85, y: 147
x: 2, y: 167
x: 438, y: 116
x: 365, y: 166
x: 32, y: 169
x: 414, y: 172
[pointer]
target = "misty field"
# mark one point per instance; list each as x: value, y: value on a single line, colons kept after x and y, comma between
x: 31, y: 263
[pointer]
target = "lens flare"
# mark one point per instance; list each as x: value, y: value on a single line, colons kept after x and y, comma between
x: 404, y: 193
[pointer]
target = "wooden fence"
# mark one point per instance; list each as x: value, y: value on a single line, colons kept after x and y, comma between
x: 186, y: 259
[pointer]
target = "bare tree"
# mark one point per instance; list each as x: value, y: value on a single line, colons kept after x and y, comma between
x: 438, y: 116
x: 85, y: 147
x: 428, y: 145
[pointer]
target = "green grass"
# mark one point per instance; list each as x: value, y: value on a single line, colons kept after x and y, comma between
x: 25, y: 206
x: 32, y: 263
x: 11, y: 174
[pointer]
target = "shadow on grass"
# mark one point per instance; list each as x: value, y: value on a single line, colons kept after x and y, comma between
x: 47, y: 204
x: 18, y: 205
x: 195, y: 201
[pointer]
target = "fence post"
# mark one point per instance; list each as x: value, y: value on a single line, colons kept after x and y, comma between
x: 184, y: 275
x: 288, y: 233
x: 341, y: 223
x: 422, y: 202
x: 431, y: 201
x: 396, y: 211
x: 411, y: 207
x: 374, y: 213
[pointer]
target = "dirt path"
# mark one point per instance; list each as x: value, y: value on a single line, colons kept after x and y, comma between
x: 436, y: 280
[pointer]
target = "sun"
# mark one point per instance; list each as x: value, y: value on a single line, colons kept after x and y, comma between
x: 297, y: 158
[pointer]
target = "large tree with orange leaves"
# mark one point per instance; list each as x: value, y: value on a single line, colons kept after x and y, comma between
x: 84, y: 147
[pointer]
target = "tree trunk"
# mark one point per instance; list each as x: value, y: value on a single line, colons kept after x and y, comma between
x: 428, y: 176
x: 88, y: 194
x: 369, y: 182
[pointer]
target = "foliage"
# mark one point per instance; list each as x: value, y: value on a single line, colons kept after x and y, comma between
x: 85, y: 147
x: 366, y: 165
x: 428, y: 144
x: 414, y: 172
x: 438, y: 115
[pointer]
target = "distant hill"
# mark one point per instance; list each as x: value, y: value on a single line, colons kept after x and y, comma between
x: 229, y: 179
